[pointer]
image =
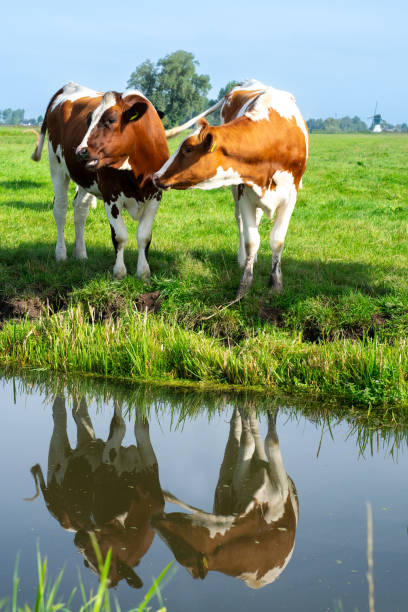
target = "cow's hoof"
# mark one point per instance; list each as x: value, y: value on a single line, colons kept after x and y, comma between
x: 80, y: 254
x: 242, y: 292
x: 61, y: 255
x: 275, y: 284
x: 144, y: 276
x: 119, y: 272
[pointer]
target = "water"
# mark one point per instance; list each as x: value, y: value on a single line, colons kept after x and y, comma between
x: 253, y: 539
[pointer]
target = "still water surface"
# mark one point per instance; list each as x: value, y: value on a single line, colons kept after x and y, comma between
x: 257, y: 512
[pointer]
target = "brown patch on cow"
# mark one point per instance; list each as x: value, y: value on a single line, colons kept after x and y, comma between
x: 67, y: 125
x: 253, y: 149
x: 21, y: 307
x: 236, y: 100
x: 149, y: 302
x: 271, y: 315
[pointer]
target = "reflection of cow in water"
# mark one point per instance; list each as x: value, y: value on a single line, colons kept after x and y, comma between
x: 251, y: 533
x: 103, y: 487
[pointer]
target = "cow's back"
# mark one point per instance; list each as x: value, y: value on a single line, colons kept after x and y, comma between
x: 269, y: 124
x: 67, y: 123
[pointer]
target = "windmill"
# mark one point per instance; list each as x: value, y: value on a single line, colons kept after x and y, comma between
x: 376, y: 121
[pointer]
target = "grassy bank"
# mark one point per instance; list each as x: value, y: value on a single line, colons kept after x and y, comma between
x: 338, y: 331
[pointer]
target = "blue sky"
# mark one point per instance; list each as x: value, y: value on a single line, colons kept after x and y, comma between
x: 337, y: 58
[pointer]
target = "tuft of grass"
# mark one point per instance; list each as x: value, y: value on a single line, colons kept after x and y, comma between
x: 47, y: 599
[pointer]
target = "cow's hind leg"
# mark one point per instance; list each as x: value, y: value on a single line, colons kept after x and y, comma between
x: 60, y: 182
x: 83, y: 200
x: 223, y: 497
x: 85, y: 431
x: 277, y: 238
x: 236, y: 194
x: 119, y: 237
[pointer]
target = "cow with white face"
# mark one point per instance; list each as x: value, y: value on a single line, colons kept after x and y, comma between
x: 102, y: 488
x: 110, y: 145
x: 261, y: 151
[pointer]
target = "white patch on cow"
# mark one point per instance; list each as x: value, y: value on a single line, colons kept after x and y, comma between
x: 250, y: 578
x: 108, y: 100
x: 94, y: 190
x: 72, y: 92
x: 270, y: 199
x: 221, y: 178
x: 216, y: 524
x: 133, y: 92
x: 126, y: 165
x: 269, y: 98
x: 133, y: 207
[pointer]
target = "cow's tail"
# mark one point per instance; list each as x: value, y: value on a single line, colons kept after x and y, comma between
x: 180, y: 128
x: 37, y: 474
x: 36, y: 156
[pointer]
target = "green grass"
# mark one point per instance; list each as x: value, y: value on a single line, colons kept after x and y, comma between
x: 47, y: 598
x: 338, y: 331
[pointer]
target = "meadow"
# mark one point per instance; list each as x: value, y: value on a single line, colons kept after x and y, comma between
x: 338, y: 332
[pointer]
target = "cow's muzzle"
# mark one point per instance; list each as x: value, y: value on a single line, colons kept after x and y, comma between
x: 82, y: 153
x: 158, y: 184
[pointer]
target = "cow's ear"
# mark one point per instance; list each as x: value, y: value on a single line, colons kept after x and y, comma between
x: 161, y: 114
x: 135, y: 112
x: 209, y: 143
x: 202, y: 124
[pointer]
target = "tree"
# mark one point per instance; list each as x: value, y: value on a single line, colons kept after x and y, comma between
x: 173, y: 86
x: 12, y: 116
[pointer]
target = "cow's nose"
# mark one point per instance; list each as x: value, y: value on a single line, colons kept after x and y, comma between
x: 82, y: 153
x: 156, y: 182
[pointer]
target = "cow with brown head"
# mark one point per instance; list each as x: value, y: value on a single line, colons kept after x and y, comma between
x: 110, y: 145
x: 261, y: 152
x: 250, y: 534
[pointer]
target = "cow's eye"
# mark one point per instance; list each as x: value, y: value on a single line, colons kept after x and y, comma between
x: 110, y: 120
x: 188, y: 148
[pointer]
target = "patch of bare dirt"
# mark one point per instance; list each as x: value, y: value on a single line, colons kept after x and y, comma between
x: 111, y: 309
x: 149, y: 302
x: 269, y: 314
x: 20, y: 308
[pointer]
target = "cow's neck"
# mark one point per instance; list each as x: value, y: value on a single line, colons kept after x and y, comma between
x: 239, y: 154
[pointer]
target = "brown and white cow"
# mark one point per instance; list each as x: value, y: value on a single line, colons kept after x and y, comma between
x: 103, y: 488
x: 260, y: 150
x: 109, y: 145
x: 250, y: 534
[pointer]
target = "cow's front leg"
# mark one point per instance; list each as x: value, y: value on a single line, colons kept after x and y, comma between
x: 144, y: 235
x: 250, y: 222
x: 116, y: 434
x: 119, y: 236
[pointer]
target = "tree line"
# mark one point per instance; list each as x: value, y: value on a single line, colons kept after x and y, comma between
x: 174, y: 87
x: 10, y: 116
x: 349, y: 124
